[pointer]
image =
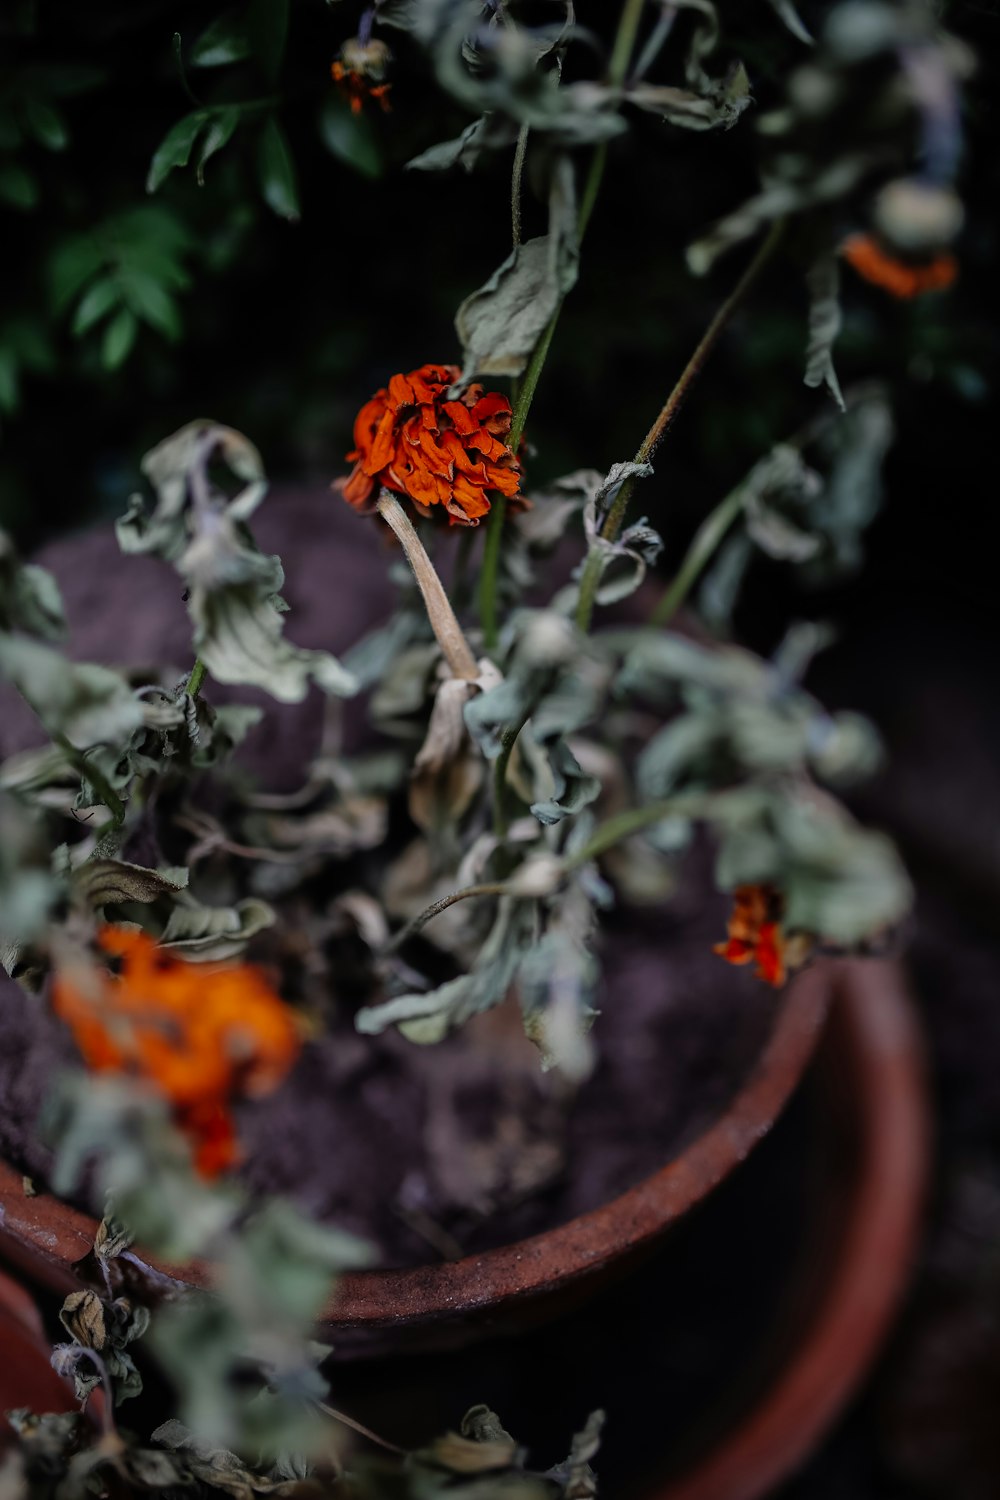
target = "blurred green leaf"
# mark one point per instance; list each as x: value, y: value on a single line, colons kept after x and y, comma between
x: 276, y: 172
x: 18, y: 187
x: 46, y: 124
x: 351, y: 138
x: 118, y: 339
x: 175, y: 148
x: 148, y: 300
x: 219, y: 133
x: 100, y: 297
x: 224, y: 41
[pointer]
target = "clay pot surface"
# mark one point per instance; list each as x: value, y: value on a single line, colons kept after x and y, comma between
x: 861, y: 1250
x: 26, y: 1376
x: 501, y: 1289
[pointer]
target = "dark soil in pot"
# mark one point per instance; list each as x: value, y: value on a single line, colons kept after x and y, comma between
x: 432, y: 1151
x: 427, y: 1152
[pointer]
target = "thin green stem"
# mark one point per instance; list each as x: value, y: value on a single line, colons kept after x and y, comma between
x: 622, y: 48
x: 706, y: 539
x: 517, y: 172
x: 198, y: 673
x: 623, y: 825
x: 490, y: 571
x: 594, y: 565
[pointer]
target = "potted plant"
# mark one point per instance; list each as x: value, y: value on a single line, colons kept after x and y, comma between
x: 528, y: 835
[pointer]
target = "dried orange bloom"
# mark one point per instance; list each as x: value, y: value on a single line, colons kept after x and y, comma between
x: 755, y: 935
x: 198, y: 1033
x: 359, y: 73
x: 901, y: 278
x: 412, y: 439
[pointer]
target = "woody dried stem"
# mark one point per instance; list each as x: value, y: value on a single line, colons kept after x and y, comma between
x: 621, y: 53
x: 454, y: 647
x: 593, y: 567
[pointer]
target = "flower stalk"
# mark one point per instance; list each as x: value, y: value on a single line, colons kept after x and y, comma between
x: 454, y: 647
x: 621, y: 53
x: 591, y: 578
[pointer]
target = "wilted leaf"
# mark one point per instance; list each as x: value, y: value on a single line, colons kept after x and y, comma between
x: 88, y: 704
x: 29, y: 596
x: 823, y: 281
x: 211, y: 934
x: 103, y: 882
x: 500, y: 324
x: 426, y: 1018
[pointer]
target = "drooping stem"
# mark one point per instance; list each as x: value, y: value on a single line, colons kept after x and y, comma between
x: 490, y: 888
x: 454, y: 647
x: 616, y: 514
x: 517, y: 172
x: 703, y: 545
x: 621, y: 52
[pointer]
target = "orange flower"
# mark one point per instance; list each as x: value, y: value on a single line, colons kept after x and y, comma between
x: 755, y: 933
x: 198, y: 1033
x: 359, y: 73
x: 901, y: 278
x: 412, y: 439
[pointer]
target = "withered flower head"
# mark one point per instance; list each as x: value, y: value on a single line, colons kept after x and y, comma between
x: 200, y: 1034
x: 360, y: 71
x: 755, y: 935
x: 412, y: 439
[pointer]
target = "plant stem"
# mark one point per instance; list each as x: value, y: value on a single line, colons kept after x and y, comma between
x: 706, y: 539
x: 355, y: 1426
x: 517, y: 172
x: 454, y: 647
x: 624, y: 824
x: 621, y: 52
x: 616, y: 514
x: 490, y: 888
x: 507, y: 742
x: 198, y: 672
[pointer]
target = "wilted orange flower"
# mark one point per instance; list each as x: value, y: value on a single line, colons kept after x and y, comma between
x: 901, y: 278
x: 359, y: 73
x: 412, y: 439
x: 755, y: 933
x: 198, y: 1033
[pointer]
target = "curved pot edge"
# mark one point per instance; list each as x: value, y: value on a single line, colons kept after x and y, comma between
x: 45, y: 1235
x: 875, y: 1256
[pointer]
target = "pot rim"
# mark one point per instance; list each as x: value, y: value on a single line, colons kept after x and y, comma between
x: 881, y: 1059
x: 42, y: 1230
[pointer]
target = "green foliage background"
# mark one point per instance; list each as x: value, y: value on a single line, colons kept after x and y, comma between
x: 292, y: 265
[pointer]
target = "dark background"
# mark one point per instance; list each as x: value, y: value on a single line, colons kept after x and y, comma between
x: 288, y: 326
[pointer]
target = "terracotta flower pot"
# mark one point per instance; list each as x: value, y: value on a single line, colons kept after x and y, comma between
x: 26, y: 1377
x: 502, y: 1289
x: 869, y: 1182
